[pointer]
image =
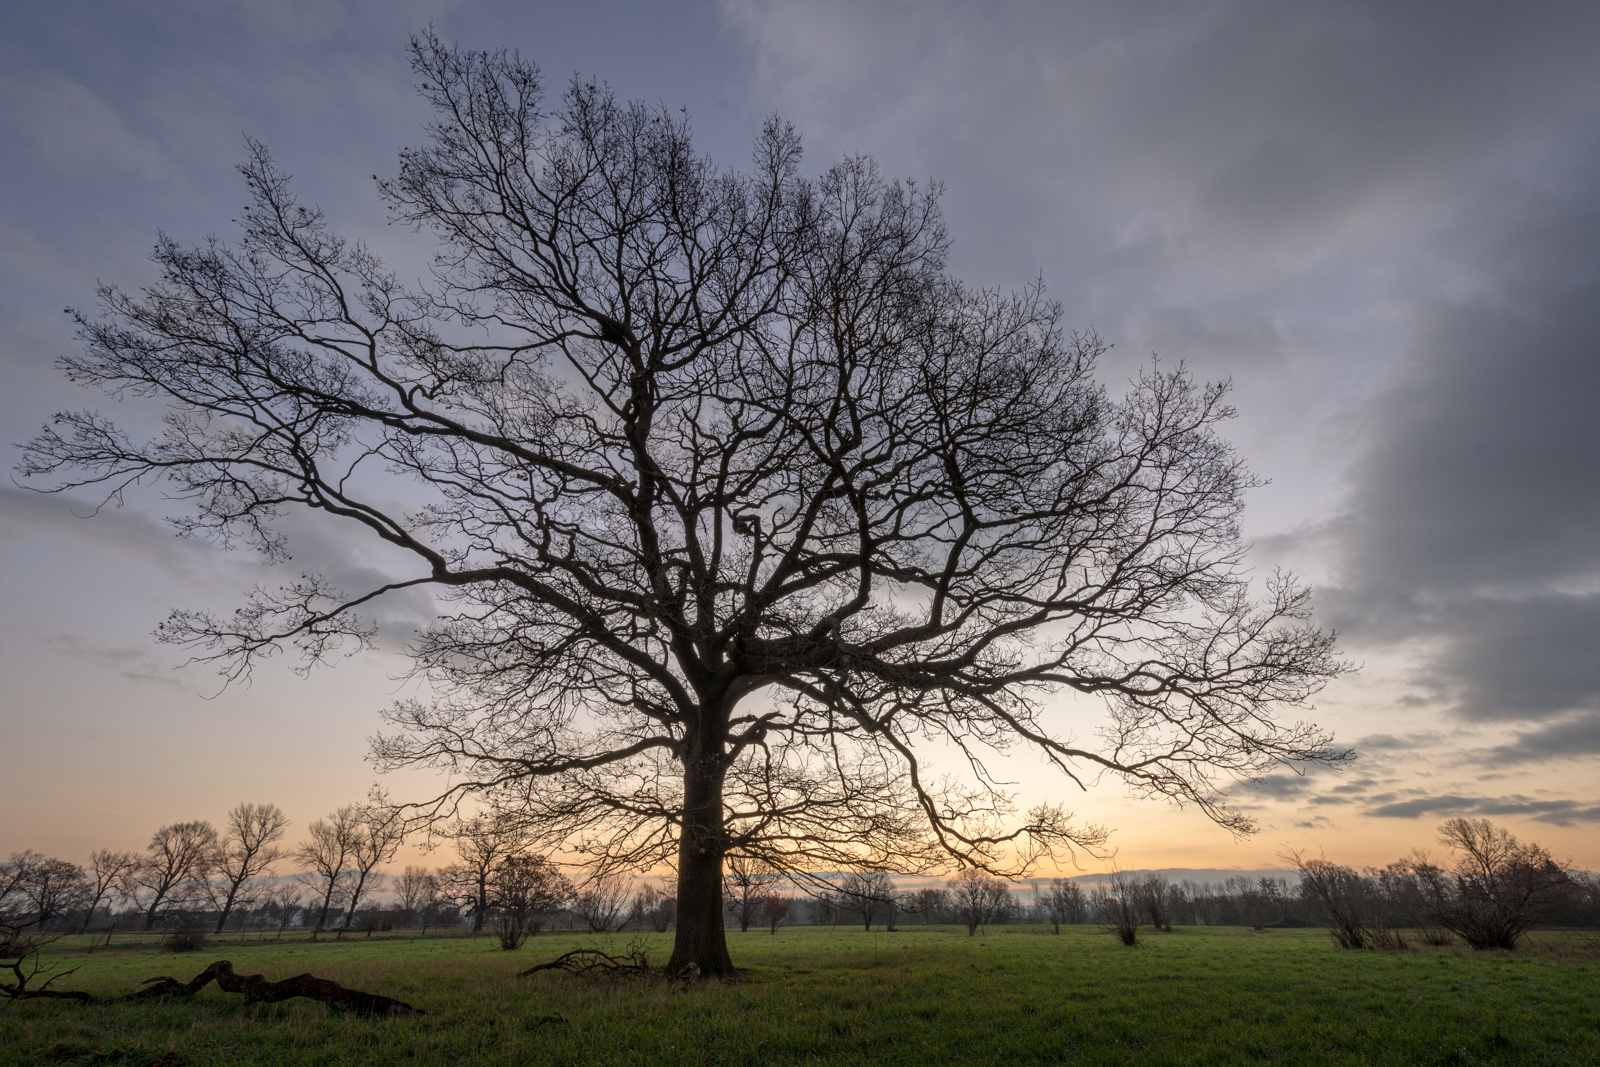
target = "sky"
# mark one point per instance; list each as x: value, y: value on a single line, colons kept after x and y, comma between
x: 1380, y: 221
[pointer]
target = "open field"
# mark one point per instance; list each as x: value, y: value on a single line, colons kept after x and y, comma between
x: 815, y: 995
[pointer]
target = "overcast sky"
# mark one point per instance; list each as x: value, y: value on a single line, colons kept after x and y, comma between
x: 1381, y: 221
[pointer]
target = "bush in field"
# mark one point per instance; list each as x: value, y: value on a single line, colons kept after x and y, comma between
x: 189, y: 936
x: 1348, y: 897
x: 1118, y: 909
x: 1496, y: 889
x: 978, y: 899
x: 775, y: 910
x: 1063, y: 901
x: 528, y: 889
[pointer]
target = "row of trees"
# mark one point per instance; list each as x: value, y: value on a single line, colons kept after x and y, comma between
x: 190, y: 869
x: 188, y: 865
x: 1491, y: 892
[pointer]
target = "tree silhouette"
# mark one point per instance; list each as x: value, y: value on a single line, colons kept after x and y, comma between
x: 179, y: 854
x: 247, y: 851
x: 734, y: 498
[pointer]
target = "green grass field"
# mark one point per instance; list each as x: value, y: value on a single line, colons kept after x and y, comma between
x: 920, y: 996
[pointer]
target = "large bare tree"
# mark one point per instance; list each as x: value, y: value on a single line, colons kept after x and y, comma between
x: 107, y: 871
x: 179, y: 855
x: 736, y: 500
x: 247, y: 851
x: 378, y: 838
x: 327, y: 854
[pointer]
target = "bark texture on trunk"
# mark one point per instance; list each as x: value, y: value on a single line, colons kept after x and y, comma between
x: 701, y: 938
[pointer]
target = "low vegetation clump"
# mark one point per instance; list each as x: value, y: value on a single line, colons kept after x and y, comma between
x: 1011, y: 994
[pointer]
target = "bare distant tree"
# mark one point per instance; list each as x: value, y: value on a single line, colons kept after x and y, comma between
x: 328, y: 853
x: 930, y: 904
x: 247, y: 851
x: 776, y: 909
x: 1117, y: 905
x: 1497, y: 889
x: 978, y: 899
x: 379, y: 834
x: 1063, y: 901
x: 107, y: 873
x: 867, y: 893
x: 416, y: 889
x: 653, y: 906
x: 482, y: 843
x: 602, y: 904
x: 285, y: 898
x: 527, y: 890
x: 739, y: 497
x: 1156, y: 896
x: 13, y: 876
x: 745, y: 885
x: 36, y: 889
x: 178, y: 856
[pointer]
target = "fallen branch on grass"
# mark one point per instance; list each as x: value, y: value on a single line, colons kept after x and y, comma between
x: 19, y: 990
x: 257, y: 990
x: 594, y: 961
x: 255, y: 987
x: 20, y: 953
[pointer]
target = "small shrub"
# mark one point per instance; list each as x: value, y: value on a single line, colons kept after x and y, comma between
x: 1385, y: 938
x: 1118, y: 908
x: 190, y: 937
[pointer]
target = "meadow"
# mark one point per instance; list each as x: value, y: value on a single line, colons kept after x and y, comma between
x: 1016, y: 995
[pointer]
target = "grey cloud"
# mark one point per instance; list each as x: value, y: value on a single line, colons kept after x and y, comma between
x: 72, y: 128
x: 1556, y: 812
x: 134, y: 664
x: 1578, y: 736
x: 1283, y: 193
x: 1277, y: 785
x: 1391, y: 743
x: 1478, y: 496
x: 128, y: 531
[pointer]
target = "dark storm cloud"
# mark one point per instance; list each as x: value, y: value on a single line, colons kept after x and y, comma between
x: 1475, y: 519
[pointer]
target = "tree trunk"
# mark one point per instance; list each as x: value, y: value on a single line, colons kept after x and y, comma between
x: 322, y: 918
x: 701, y: 938
x: 227, y: 908
x: 480, y: 907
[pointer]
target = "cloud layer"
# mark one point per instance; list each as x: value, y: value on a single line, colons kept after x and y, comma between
x: 1381, y: 220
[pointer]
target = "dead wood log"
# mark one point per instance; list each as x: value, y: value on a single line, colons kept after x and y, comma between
x: 257, y: 990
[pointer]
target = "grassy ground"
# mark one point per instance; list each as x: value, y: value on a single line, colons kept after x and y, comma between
x: 920, y: 996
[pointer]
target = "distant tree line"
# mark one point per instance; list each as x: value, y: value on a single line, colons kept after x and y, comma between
x: 194, y: 878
